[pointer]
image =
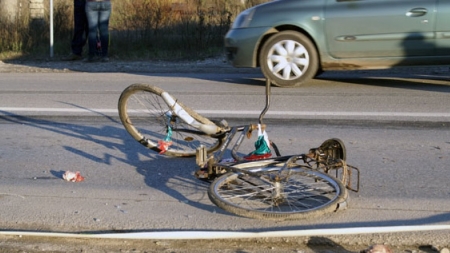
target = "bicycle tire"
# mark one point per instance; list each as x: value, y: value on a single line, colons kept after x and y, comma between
x: 144, y: 114
x: 307, y: 193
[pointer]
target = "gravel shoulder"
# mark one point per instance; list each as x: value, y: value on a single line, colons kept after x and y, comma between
x: 280, y: 245
x: 219, y: 65
x: 209, y: 65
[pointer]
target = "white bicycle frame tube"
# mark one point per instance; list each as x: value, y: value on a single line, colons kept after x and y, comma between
x: 180, y: 112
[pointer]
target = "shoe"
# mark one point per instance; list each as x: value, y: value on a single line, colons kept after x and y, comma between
x: 73, y: 57
x: 105, y: 59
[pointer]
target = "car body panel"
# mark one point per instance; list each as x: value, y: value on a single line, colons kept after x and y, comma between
x: 240, y: 45
x: 443, y: 28
x: 368, y: 28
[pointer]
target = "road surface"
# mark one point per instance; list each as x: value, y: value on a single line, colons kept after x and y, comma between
x: 395, y: 127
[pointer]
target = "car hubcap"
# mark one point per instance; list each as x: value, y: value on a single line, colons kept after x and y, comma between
x: 288, y: 60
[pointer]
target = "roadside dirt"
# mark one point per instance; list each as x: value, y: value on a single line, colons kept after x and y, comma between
x: 216, y: 65
x: 284, y: 245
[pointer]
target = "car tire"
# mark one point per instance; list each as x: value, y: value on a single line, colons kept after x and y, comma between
x: 288, y: 59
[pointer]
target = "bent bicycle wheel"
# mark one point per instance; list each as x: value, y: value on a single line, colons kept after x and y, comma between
x: 304, y: 193
x: 153, y: 123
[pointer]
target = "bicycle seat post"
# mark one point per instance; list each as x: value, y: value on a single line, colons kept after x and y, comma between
x: 268, y: 84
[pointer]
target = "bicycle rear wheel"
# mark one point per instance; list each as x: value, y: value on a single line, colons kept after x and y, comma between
x: 305, y: 193
x: 150, y: 120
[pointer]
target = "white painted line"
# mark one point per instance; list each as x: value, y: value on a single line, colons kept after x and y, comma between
x: 209, y: 235
x: 4, y: 110
x: 68, y: 110
x: 310, y: 113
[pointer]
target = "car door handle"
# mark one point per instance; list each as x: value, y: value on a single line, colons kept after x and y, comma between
x: 417, y: 12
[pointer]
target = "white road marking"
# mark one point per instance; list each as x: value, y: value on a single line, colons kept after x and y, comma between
x: 5, y: 110
x: 67, y: 110
x: 310, y: 113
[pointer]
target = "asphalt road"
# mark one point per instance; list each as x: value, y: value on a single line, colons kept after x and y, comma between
x: 394, y: 124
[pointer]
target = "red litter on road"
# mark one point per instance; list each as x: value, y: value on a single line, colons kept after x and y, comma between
x: 73, y: 176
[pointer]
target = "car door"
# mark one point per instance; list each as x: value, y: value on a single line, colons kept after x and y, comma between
x: 443, y: 28
x: 380, y: 28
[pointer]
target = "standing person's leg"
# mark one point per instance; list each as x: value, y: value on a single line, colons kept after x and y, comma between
x: 80, y: 29
x: 103, y: 27
x: 92, y: 14
x: 85, y: 24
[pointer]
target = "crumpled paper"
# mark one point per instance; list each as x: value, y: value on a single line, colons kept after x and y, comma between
x: 73, y: 176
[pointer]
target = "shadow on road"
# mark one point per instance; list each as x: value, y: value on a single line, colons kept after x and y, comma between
x: 162, y: 173
x: 420, y: 82
x: 172, y: 176
x: 321, y: 244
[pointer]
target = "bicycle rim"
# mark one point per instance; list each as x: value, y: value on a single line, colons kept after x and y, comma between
x: 147, y: 117
x: 304, y: 194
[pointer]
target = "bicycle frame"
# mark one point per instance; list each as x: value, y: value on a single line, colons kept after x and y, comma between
x: 326, y: 160
x: 180, y: 112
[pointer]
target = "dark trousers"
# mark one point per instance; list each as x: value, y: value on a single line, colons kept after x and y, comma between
x: 81, y: 28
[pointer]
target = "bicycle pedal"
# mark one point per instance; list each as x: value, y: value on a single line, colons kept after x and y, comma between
x: 201, y: 174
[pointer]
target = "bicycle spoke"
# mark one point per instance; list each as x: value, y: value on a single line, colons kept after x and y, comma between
x: 152, y: 122
x: 298, y: 192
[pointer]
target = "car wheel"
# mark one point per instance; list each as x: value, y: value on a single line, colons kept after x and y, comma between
x: 288, y: 59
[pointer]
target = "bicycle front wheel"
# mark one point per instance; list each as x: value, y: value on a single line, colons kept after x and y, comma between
x: 151, y: 121
x: 304, y: 193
